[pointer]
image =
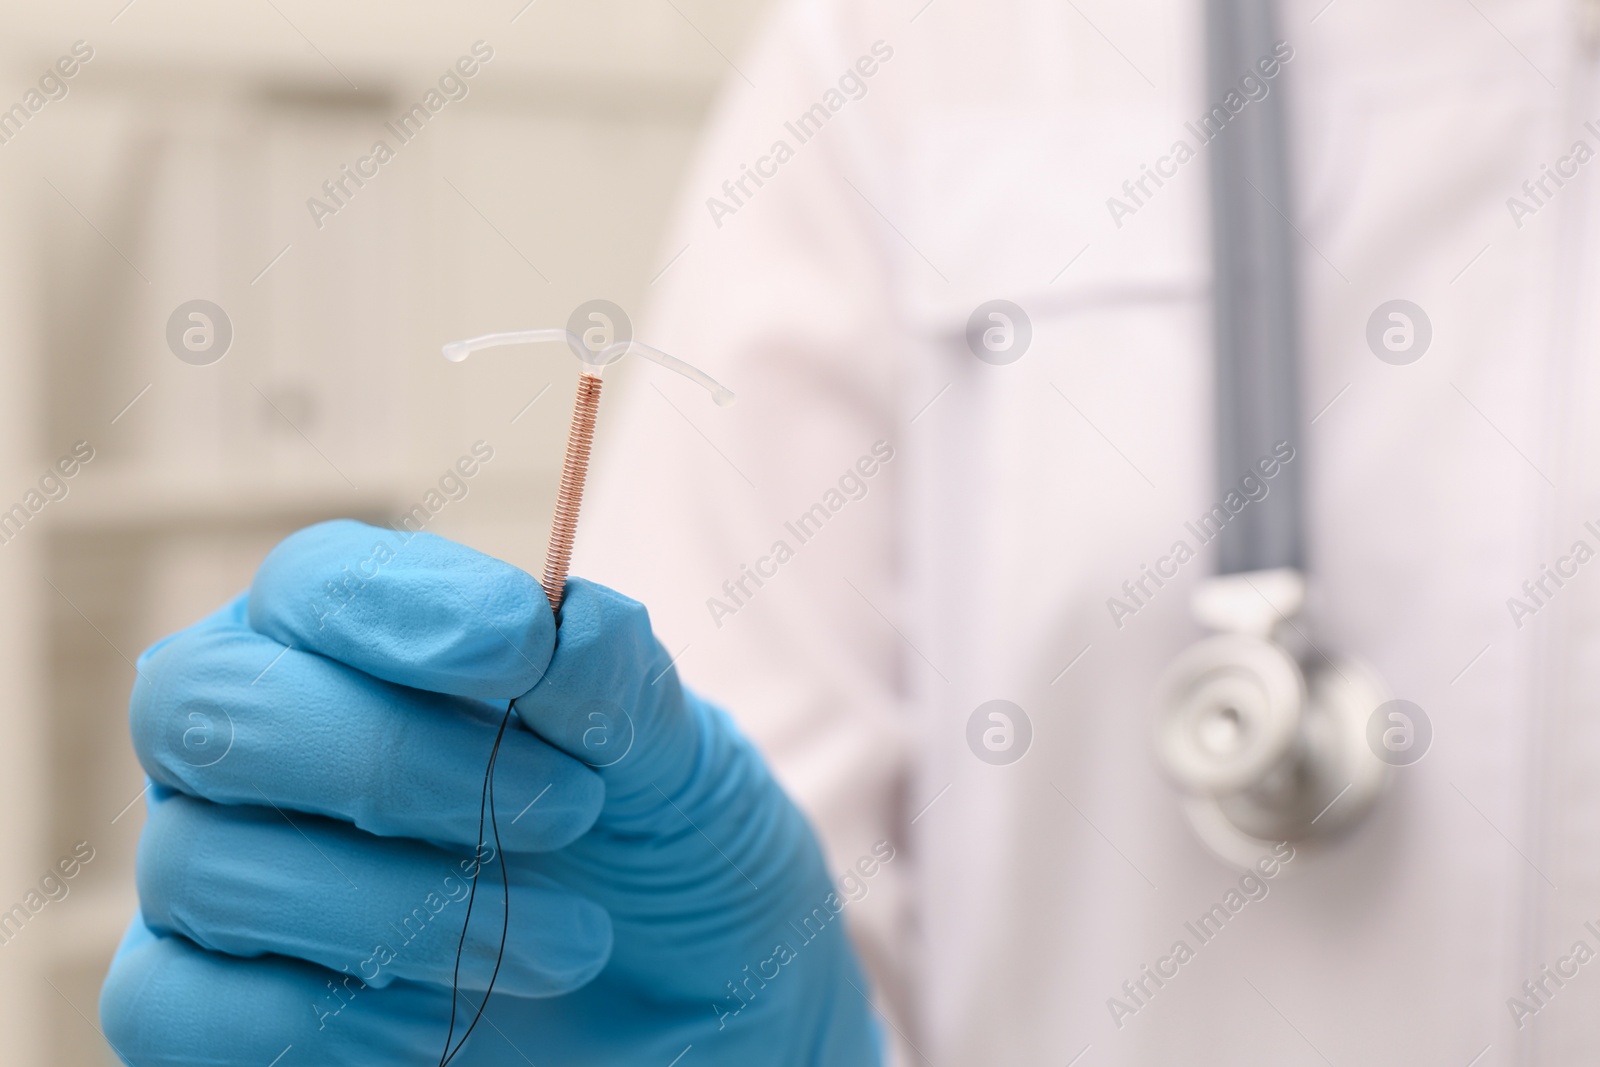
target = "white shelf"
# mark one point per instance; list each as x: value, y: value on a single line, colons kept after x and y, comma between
x: 135, y: 496
x: 367, y: 41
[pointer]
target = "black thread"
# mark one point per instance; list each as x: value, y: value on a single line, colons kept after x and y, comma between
x: 485, y: 802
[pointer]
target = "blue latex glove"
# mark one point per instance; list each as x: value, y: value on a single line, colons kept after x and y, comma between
x: 317, y: 750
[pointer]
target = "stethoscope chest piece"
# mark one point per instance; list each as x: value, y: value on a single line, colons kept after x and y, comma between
x: 1267, y: 744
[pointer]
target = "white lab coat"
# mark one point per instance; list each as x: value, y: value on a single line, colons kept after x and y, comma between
x: 979, y: 563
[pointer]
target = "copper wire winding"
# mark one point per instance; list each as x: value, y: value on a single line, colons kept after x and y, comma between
x: 574, y: 469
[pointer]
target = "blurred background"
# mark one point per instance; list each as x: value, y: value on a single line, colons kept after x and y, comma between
x: 175, y: 164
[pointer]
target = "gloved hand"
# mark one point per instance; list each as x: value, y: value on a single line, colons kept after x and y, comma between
x: 316, y: 751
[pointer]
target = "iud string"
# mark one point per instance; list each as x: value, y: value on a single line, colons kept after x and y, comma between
x: 486, y: 801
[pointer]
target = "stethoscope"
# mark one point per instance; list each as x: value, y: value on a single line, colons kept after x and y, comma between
x: 1263, y: 730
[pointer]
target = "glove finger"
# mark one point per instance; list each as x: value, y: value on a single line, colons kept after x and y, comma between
x: 611, y: 699
x: 169, y: 1003
x: 221, y: 712
x: 408, y: 608
x: 250, y: 881
x: 722, y: 834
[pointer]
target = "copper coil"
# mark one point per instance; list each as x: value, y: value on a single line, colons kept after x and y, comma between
x: 574, y: 469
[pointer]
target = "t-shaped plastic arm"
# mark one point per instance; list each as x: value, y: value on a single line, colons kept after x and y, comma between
x: 580, y: 435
